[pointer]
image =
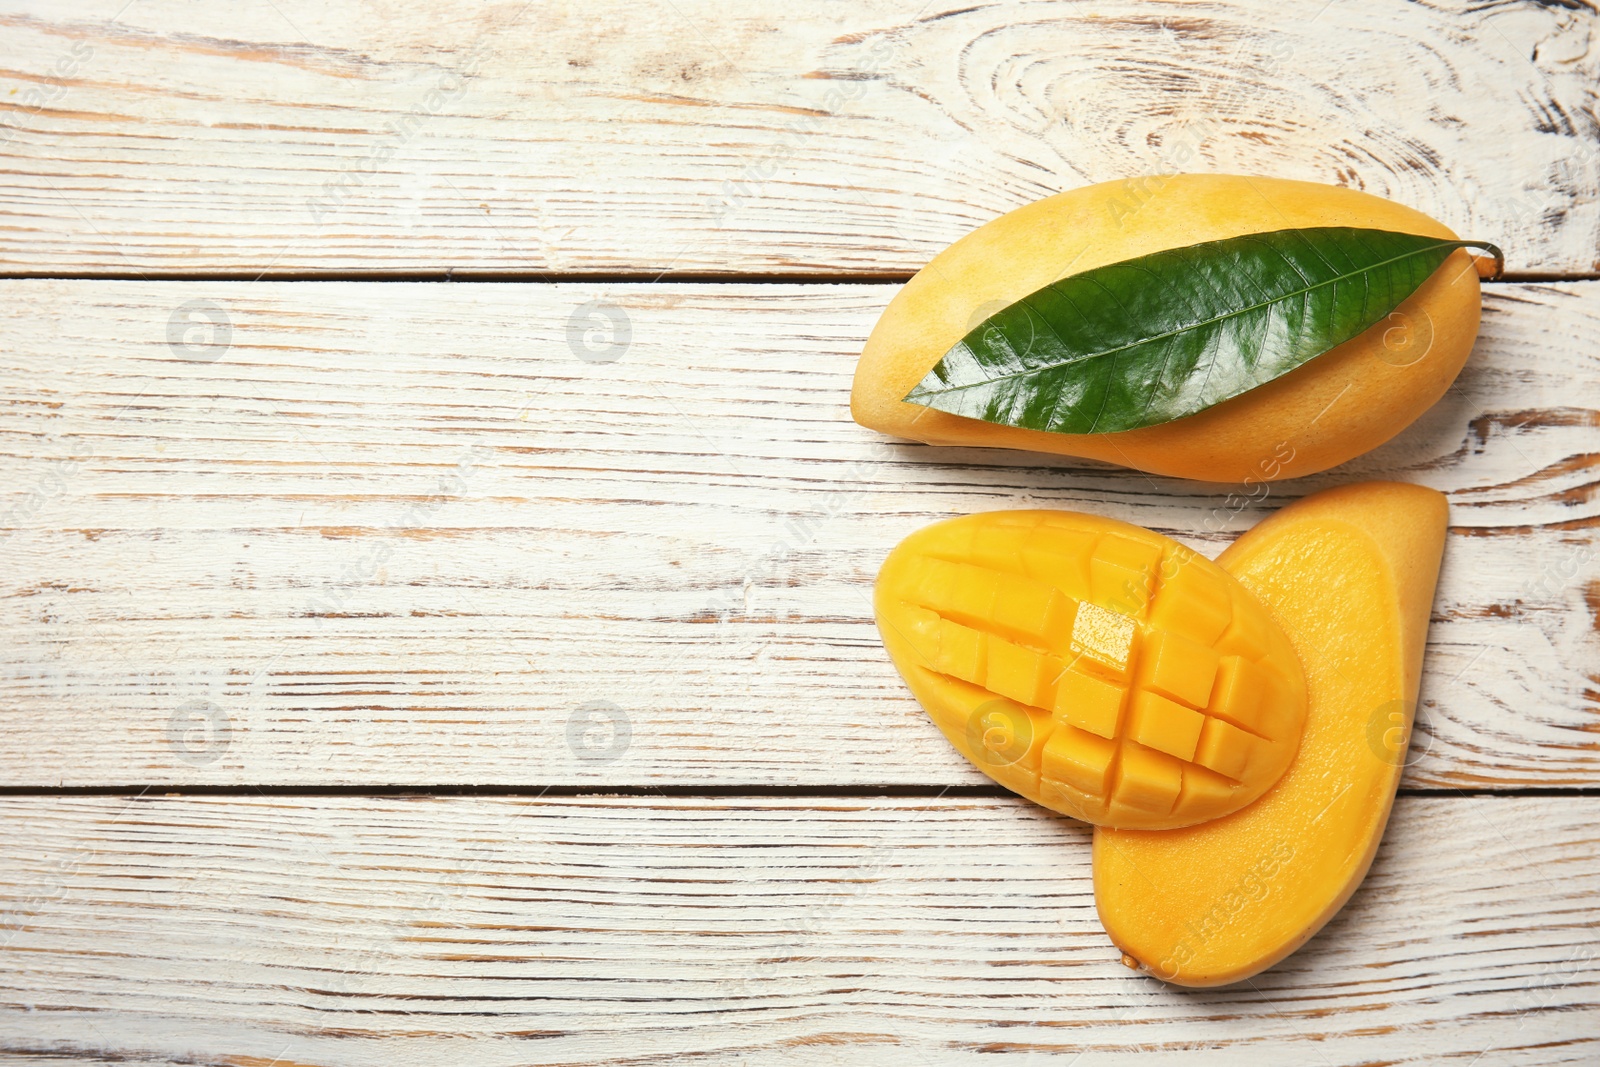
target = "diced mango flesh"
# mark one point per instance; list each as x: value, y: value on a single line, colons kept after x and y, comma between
x: 1154, y: 690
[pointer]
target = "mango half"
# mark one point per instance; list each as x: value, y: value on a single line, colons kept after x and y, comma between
x: 1097, y: 668
x: 1342, y: 403
x: 1349, y: 576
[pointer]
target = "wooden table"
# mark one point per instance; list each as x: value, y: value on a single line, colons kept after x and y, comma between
x: 437, y: 552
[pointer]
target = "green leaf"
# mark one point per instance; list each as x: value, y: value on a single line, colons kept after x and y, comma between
x: 1153, y: 339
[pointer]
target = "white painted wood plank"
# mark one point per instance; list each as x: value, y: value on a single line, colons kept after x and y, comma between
x: 402, y: 534
x: 701, y: 136
x: 489, y: 931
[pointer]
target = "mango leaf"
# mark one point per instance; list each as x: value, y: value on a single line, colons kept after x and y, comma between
x: 1153, y: 339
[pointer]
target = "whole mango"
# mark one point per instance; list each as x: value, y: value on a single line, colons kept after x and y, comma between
x: 1338, y: 405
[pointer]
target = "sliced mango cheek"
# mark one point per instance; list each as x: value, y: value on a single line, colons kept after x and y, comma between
x: 1350, y: 573
x: 1097, y: 668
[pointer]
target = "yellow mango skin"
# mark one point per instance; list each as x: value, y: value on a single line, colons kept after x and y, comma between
x: 1349, y: 574
x: 1096, y: 668
x: 1342, y: 403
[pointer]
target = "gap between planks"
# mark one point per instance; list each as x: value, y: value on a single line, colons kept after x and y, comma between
x: 456, y: 789
x: 885, y: 277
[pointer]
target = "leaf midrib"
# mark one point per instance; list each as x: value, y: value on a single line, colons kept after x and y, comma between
x: 1191, y: 326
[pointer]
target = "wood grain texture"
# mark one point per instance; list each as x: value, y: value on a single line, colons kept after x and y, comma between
x: 403, y: 534
x: 490, y: 931
x: 849, y: 136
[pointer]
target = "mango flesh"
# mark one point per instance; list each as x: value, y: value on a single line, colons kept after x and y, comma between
x: 1097, y: 668
x: 1340, y: 404
x: 1349, y: 575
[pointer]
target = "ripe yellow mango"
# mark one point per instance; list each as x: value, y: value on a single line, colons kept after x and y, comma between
x: 1340, y: 404
x: 1349, y: 575
x: 1097, y: 668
